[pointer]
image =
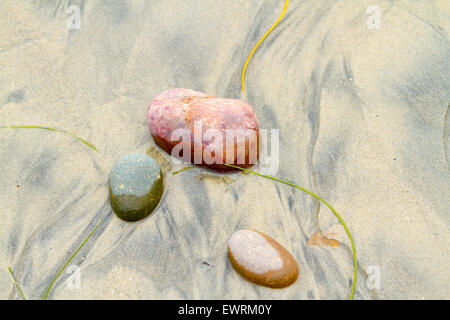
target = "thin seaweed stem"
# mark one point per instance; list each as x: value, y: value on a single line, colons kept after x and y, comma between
x: 328, y: 205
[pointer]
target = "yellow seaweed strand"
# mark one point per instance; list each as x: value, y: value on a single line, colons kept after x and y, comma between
x: 259, y: 42
x: 328, y: 205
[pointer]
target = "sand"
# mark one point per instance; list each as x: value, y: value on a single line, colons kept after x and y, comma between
x: 363, y: 120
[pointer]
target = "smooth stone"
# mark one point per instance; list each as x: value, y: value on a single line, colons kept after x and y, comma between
x: 181, y: 109
x: 136, y: 186
x: 262, y: 260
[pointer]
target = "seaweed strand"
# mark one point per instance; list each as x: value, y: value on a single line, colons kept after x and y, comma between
x: 259, y: 42
x: 17, y: 284
x: 328, y: 205
x: 71, y: 257
x: 55, y: 130
x: 184, y: 169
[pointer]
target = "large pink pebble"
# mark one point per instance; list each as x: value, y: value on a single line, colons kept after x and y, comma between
x: 187, y: 109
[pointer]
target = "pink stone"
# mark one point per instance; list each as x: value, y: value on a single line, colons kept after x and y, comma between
x: 188, y: 110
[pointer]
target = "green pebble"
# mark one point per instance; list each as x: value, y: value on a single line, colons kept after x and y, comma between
x: 136, y: 186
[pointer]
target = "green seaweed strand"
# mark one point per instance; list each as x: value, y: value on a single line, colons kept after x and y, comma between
x: 71, y: 257
x: 184, y: 169
x: 17, y: 284
x: 52, y: 129
x: 329, y: 206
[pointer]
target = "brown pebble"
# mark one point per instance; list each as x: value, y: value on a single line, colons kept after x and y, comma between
x: 262, y: 260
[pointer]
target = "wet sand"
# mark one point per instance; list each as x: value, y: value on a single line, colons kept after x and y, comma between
x: 363, y: 120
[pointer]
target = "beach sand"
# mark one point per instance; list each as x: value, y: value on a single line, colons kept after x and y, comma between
x: 363, y: 121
